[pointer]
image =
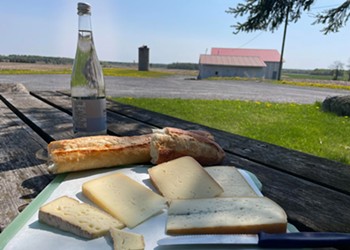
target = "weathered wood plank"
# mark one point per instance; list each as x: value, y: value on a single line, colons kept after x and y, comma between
x: 22, y: 175
x: 329, y: 173
x: 117, y: 124
x: 49, y: 122
x: 309, y: 206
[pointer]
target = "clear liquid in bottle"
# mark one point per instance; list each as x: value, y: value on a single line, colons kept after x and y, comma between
x: 87, y: 83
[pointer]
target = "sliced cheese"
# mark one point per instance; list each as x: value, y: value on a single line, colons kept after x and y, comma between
x: 232, y: 181
x: 78, y: 218
x: 239, y: 215
x: 184, y: 178
x: 126, y: 240
x: 124, y: 198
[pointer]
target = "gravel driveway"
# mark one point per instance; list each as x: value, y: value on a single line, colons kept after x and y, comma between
x: 182, y: 87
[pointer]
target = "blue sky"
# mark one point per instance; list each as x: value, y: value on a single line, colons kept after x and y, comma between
x: 174, y: 30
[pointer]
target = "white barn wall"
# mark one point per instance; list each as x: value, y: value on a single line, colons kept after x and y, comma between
x: 271, y: 70
x: 206, y: 71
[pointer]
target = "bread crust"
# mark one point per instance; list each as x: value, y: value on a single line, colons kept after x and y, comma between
x: 98, y: 152
x: 106, y: 151
x: 172, y: 143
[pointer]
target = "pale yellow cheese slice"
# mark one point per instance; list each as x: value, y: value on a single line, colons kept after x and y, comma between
x: 124, y: 198
x: 78, y: 218
x: 184, y: 178
x: 127, y: 240
x: 232, y: 181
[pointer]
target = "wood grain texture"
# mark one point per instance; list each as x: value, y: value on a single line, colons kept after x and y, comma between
x: 309, y: 206
x: 118, y: 124
x: 22, y: 175
x: 49, y: 122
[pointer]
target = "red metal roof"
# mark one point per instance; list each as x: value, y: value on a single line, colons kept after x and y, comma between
x: 243, y: 61
x: 267, y: 55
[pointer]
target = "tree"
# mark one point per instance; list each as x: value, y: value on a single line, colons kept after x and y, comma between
x: 270, y: 14
x: 334, y: 18
x: 337, y: 66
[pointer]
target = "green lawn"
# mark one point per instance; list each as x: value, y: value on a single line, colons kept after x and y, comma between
x: 297, y: 126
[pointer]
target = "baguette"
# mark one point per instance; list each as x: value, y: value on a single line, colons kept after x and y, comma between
x: 98, y: 152
x: 239, y: 215
x: 171, y: 143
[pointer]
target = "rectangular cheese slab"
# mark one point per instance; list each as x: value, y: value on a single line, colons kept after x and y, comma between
x: 81, y: 219
x: 124, y: 198
x: 184, y: 178
x: 226, y: 215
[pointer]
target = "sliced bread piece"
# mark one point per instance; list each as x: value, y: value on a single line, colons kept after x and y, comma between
x: 78, y: 218
x: 240, y: 215
x: 183, y: 178
x: 124, y: 198
x: 232, y: 181
x: 126, y: 240
x: 171, y: 143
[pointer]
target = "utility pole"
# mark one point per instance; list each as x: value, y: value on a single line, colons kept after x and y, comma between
x: 283, y: 42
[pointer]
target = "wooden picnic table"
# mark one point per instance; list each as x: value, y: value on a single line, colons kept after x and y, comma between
x: 314, y: 192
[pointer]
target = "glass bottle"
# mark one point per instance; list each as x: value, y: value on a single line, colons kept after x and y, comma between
x: 87, y: 83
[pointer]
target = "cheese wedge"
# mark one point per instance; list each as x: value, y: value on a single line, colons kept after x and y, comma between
x: 239, y: 215
x: 78, y: 218
x: 231, y: 180
x: 124, y: 198
x: 126, y: 240
x: 184, y: 178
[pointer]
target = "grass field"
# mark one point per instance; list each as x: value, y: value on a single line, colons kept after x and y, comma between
x: 301, y: 127
x: 307, y: 76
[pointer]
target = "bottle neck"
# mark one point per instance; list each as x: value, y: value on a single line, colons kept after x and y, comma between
x: 85, y: 22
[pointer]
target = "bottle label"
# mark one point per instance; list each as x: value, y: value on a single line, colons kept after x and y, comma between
x: 89, y: 115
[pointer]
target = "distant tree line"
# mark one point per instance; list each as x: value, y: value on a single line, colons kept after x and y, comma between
x: 336, y: 71
x: 35, y: 59
x: 64, y: 60
x: 317, y: 72
x: 186, y: 66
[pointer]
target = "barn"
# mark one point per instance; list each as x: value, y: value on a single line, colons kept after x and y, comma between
x: 234, y: 62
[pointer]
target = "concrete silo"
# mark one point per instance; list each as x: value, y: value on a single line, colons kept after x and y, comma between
x: 143, y: 58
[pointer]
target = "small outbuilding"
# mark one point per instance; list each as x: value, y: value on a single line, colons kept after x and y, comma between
x: 231, y: 62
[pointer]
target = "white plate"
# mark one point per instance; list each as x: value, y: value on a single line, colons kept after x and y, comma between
x: 35, y: 235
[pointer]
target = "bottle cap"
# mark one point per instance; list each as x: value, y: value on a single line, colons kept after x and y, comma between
x: 84, y: 8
